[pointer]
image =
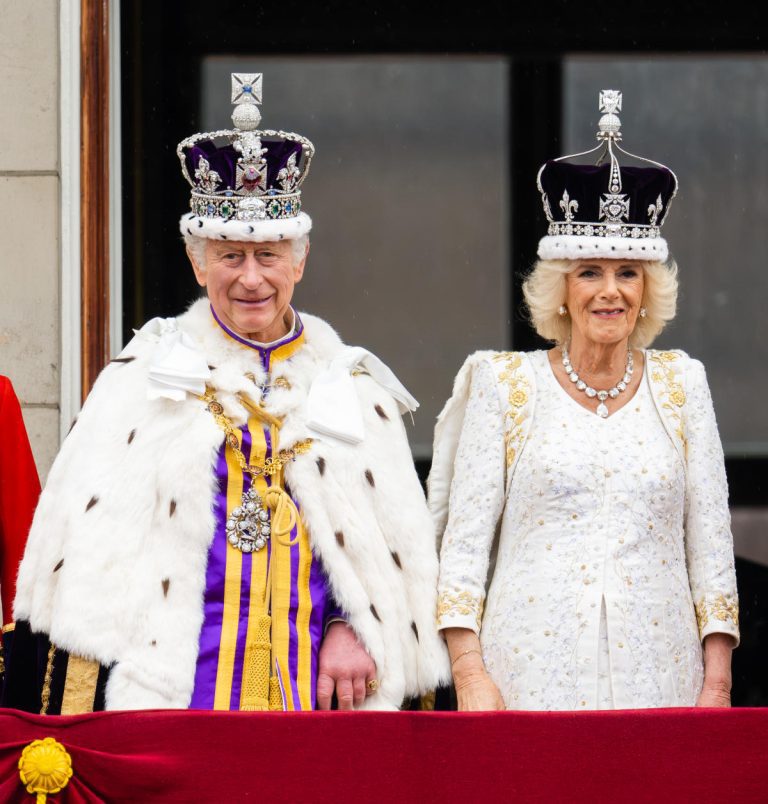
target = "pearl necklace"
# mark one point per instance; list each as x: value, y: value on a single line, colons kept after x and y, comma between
x: 621, y: 385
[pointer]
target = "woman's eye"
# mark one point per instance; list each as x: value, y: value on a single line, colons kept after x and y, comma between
x: 588, y: 272
x: 630, y: 273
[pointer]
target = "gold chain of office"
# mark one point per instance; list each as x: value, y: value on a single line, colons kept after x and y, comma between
x: 272, y: 466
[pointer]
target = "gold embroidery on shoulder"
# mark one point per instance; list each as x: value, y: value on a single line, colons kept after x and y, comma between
x: 664, y: 375
x: 519, y: 393
x: 722, y: 608
x: 459, y: 603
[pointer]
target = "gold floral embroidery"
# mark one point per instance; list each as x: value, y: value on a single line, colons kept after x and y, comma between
x: 519, y: 392
x: 722, y: 608
x: 665, y: 376
x: 461, y: 603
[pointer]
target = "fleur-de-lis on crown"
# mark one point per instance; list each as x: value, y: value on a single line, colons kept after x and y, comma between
x: 289, y: 175
x: 654, y: 210
x: 207, y: 179
x: 569, y: 207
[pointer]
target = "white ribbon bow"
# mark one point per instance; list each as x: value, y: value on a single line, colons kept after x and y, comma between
x: 178, y: 366
x: 333, y: 407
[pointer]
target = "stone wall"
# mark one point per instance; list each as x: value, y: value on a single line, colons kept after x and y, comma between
x: 29, y: 216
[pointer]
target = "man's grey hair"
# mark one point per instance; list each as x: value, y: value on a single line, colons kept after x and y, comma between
x: 196, y: 246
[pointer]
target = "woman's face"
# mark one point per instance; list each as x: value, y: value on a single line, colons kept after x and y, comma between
x: 250, y: 285
x: 603, y: 298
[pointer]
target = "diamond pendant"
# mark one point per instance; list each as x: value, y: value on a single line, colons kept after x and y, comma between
x: 248, y: 525
x: 602, y: 410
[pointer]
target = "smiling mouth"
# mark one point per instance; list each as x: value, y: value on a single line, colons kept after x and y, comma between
x: 612, y: 312
x: 254, y: 302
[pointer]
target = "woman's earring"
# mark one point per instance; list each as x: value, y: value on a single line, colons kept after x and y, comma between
x: 563, y: 310
x: 643, y: 312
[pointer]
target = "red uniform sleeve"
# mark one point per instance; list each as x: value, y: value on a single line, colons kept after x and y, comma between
x: 19, y: 492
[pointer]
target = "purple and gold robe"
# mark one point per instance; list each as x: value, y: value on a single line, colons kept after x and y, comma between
x: 301, y: 605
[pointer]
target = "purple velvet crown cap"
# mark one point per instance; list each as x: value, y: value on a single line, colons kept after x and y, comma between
x: 223, y: 160
x: 587, y: 185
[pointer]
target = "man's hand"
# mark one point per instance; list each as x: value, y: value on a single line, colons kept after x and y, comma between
x: 344, y: 665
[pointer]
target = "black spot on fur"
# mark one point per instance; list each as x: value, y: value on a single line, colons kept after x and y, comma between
x: 91, y: 503
x: 153, y: 643
x: 396, y: 559
x: 211, y: 368
x: 415, y: 631
x: 339, y: 538
x: 123, y: 359
x: 131, y: 435
x: 189, y: 231
x: 375, y: 613
x: 59, y: 565
x: 250, y: 229
x: 223, y: 237
x: 380, y: 410
x: 200, y: 224
x: 172, y: 508
x: 369, y: 478
x: 321, y: 465
x: 166, y: 586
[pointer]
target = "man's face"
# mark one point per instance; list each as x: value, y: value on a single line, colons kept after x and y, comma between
x: 250, y: 285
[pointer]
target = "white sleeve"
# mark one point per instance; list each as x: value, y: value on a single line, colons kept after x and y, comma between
x: 476, y: 501
x: 708, y: 540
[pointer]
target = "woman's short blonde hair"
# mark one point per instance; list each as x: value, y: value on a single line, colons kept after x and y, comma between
x: 544, y: 292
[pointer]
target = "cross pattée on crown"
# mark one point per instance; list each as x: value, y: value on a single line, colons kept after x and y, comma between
x: 610, y: 101
x: 246, y: 96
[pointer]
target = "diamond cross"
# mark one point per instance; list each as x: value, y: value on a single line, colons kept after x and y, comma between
x: 246, y: 88
x: 610, y: 101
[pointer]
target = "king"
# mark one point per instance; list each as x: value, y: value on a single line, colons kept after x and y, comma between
x: 234, y: 521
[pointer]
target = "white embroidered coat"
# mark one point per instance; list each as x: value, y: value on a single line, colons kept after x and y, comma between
x: 116, y: 559
x: 620, y: 525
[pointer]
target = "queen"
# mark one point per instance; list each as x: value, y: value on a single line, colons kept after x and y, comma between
x: 595, y: 467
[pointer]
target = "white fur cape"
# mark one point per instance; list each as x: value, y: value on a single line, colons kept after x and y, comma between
x: 116, y: 559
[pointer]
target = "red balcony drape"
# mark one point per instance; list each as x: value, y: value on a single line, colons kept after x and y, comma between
x: 644, y: 756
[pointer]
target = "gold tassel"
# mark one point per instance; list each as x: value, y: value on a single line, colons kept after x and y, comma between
x: 256, y: 690
x: 275, y: 695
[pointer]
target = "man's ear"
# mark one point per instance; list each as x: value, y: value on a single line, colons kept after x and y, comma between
x: 298, y: 269
x: 200, y: 275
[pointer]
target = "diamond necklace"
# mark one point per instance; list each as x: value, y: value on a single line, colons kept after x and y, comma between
x: 621, y: 385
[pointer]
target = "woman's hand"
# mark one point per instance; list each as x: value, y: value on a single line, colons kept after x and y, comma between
x: 477, y: 693
x: 715, y: 694
x: 716, y: 690
x: 475, y: 689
